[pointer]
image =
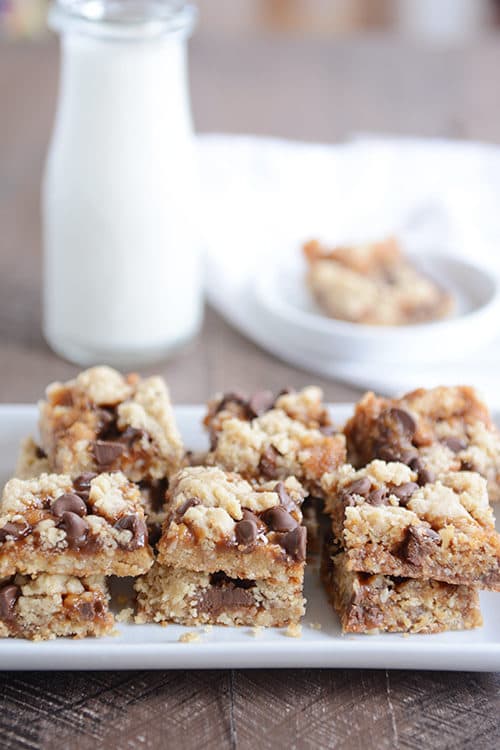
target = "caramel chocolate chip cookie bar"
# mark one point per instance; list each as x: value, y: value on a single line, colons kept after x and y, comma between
x: 373, y: 284
x: 42, y: 607
x: 434, y: 431
x: 391, y: 522
x: 293, y: 437
x: 367, y: 603
x: 217, y: 521
x: 89, y: 525
x: 194, y: 598
x: 102, y: 421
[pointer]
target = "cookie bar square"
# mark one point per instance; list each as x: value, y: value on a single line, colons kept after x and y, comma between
x: 102, y: 421
x: 387, y: 523
x: 435, y: 430
x: 44, y: 606
x: 93, y: 524
x: 187, y: 597
x: 368, y: 603
x: 217, y: 521
x: 373, y: 284
x: 275, y: 445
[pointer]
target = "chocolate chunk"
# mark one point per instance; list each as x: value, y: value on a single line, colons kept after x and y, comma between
x: 360, y: 486
x: 419, y: 543
x: 466, y: 465
x: 404, y: 421
x: 285, y: 499
x: 294, y: 542
x: 191, y: 502
x: 279, y: 519
x: 138, y: 529
x: 14, y: 531
x: 106, y: 453
x: 216, y: 600
x: 69, y: 502
x: 267, y: 463
x: 107, y: 428
x: 82, y: 482
x: 39, y: 452
x: 424, y: 475
x: 260, y: 402
x: 246, y: 531
x: 9, y: 595
x: 455, y: 444
x: 377, y: 497
x: 404, y: 492
x: 76, y: 529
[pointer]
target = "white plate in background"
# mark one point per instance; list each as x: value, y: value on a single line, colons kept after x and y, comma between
x: 157, y: 647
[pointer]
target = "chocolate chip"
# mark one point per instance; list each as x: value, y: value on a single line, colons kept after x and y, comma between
x: 246, y: 532
x: 106, y: 424
x: 83, y: 481
x: 404, y: 420
x: 419, y: 543
x: 294, y: 542
x: 39, y: 452
x: 138, y: 529
x: 466, y: 465
x: 191, y: 502
x: 387, y: 452
x: 377, y: 497
x: 455, y: 444
x: 69, y: 502
x: 267, y: 463
x: 76, y: 529
x: 404, y: 492
x: 9, y: 595
x: 106, y: 453
x: 424, y: 475
x: 285, y: 499
x: 260, y: 402
x: 279, y: 519
x: 249, y: 515
x: 14, y: 531
x: 360, y: 486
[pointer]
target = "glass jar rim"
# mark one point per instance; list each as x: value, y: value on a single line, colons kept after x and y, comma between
x: 122, y: 19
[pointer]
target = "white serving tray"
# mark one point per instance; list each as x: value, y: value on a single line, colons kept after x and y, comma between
x: 156, y: 647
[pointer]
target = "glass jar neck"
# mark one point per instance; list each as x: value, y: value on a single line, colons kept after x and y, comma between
x: 127, y: 20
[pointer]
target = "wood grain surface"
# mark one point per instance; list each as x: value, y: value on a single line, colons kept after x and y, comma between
x: 281, y: 85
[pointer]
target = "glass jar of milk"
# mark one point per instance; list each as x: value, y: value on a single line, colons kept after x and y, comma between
x: 122, y: 273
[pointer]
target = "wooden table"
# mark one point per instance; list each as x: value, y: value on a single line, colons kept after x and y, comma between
x: 282, y: 85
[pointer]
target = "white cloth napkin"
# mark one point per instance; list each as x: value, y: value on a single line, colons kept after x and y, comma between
x: 262, y: 193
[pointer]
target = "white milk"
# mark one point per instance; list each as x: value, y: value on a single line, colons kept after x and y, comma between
x: 122, y: 266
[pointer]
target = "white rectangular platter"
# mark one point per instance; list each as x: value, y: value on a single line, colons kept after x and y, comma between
x: 156, y: 647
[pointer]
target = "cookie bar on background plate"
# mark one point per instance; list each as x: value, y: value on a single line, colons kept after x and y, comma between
x: 373, y: 284
x: 231, y: 553
x: 367, y: 603
x: 44, y: 606
x: 389, y: 524
x: 434, y: 431
x: 103, y: 421
x: 275, y: 438
x: 89, y: 525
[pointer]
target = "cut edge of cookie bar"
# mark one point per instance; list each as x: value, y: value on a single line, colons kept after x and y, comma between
x: 45, y: 606
x: 104, y: 421
x: 186, y: 597
x: 93, y: 524
x: 367, y: 603
x: 440, y: 429
x: 31, y: 460
x: 388, y: 524
x: 219, y: 521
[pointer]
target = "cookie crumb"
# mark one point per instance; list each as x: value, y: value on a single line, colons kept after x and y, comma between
x: 294, y: 631
x: 190, y: 637
x: 256, y: 631
x: 208, y: 628
x: 125, y: 615
x: 315, y: 625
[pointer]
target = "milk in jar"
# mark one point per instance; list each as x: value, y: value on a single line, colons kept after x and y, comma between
x: 122, y: 267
